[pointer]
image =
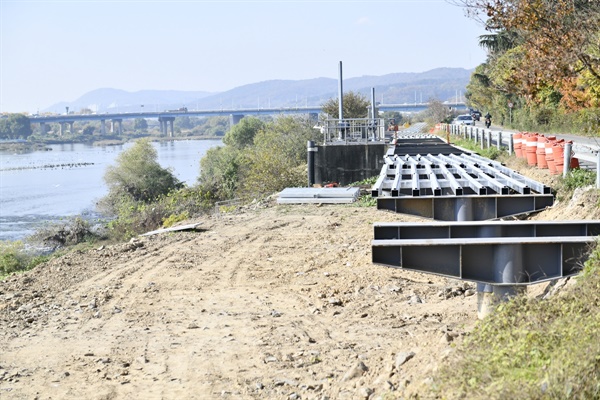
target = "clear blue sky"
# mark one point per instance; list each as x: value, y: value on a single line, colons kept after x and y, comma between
x: 53, y: 50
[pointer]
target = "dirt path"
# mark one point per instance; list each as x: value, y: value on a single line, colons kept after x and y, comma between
x: 262, y: 304
x: 278, y: 302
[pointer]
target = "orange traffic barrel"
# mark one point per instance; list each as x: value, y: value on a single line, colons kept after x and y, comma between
x: 541, y: 152
x: 558, y: 151
x: 517, y: 141
x: 531, y: 148
x: 549, y: 155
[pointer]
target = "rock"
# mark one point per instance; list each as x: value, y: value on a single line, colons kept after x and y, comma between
x: 469, y: 292
x: 395, y: 289
x: 365, y: 392
x: 335, y: 302
x: 192, y: 326
x: 448, y: 337
x: 356, y: 371
x: 316, y: 386
x: 403, y: 357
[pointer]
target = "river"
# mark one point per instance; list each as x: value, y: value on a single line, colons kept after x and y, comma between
x: 45, y: 186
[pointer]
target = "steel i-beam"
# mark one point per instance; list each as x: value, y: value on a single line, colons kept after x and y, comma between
x: 501, y: 256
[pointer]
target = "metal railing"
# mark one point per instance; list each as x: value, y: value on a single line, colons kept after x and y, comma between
x: 353, y: 130
x: 487, y: 138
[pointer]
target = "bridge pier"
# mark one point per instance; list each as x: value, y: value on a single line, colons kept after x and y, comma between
x: 42, y: 128
x: 119, y: 123
x: 103, y: 127
x: 71, y: 126
x: 235, y: 118
x: 164, y: 126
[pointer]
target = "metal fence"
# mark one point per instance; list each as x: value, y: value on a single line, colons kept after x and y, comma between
x: 353, y: 130
x: 504, y: 141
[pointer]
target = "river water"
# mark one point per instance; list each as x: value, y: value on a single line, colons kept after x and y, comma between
x: 45, y: 186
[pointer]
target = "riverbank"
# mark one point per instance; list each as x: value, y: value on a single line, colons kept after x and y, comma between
x: 22, y: 147
x: 28, y: 146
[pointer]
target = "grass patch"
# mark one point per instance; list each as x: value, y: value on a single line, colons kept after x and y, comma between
x: 576, y: 178
x: 533, y: 349
x: 365, y: 199
x: 15, y: 257
x: 491, y: 152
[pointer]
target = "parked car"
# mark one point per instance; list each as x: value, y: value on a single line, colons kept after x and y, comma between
x: 465, y: 119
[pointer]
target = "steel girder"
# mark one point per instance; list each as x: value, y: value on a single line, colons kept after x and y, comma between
x: 501, y: 253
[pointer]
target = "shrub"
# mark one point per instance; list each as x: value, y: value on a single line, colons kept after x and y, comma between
x: 134, y: 218
x: 242, y: 134
x: 68, y: 232
x: 137, y: 176
x: 11, y: 257
x: 219, y: 171
x: 14, y: 257
x: 278, y: 158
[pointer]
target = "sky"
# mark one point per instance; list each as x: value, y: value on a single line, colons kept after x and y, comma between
x: 53, y: 51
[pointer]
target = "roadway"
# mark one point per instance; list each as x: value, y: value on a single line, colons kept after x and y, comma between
x: 65, y: 118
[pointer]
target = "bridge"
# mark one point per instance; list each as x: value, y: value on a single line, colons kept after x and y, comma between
x: 166, y: 118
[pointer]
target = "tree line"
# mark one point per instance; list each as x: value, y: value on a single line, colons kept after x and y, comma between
x: 15, y: 126
x: 543, y: 65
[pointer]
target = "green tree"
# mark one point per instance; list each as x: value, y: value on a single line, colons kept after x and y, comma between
x: 355, y: 105
x: 183, y: 123
x: 278, y: 158
x: 138, y: 177
x: 89, y: 130
x: 212, y: 126
x: 219, y: 171
x: 4, y: 129
x: 140, y: 124
x: 242, y: 134
x: 393, y: 115
x: 15, y: 126
x: 436, y: 112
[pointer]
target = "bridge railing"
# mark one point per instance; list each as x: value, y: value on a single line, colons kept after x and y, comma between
x: 353, y: 130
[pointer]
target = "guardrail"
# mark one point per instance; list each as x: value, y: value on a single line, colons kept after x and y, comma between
x: 503, y: 140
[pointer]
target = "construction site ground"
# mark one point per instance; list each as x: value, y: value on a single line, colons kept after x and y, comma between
x: 269, y: 302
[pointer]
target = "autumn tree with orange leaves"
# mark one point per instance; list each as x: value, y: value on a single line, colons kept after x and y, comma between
x: 544, y: 52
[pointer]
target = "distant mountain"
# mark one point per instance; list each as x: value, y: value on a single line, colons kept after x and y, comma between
x: 106, y: 99
x: 407, y: 87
